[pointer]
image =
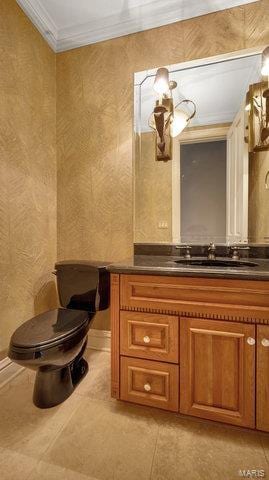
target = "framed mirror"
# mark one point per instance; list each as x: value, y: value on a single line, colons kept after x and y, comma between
x: 204, y: 178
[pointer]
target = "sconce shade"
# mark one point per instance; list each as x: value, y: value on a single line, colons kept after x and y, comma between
x: 161, y: 83
x: 265, y: 62
x: 181, y: 119
x: 179, y: 122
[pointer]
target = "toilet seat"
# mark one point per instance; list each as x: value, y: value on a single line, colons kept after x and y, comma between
x: 49, y: 328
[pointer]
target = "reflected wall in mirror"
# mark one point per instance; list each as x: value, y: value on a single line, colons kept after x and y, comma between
x: 215, y: 187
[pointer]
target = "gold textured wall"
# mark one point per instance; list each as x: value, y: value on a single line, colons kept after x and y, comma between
x: 94, y: 122
x: 153, y: 193
x: 27, y: 171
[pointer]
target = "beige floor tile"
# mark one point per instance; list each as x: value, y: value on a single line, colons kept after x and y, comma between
x: 47, y: 471
x: 96, y: 358
x: 107, y: 440
x: 189, y: 449
x: 14, y: 466
x: 265, y: 444
x: 27, y: 429
x: 96, y: 384
x: 93, y: 437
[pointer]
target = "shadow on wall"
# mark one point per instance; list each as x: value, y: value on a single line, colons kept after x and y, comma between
x: 45, y: 296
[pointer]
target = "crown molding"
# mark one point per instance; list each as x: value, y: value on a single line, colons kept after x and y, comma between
x: 136, y: 19
x: 41, y: 19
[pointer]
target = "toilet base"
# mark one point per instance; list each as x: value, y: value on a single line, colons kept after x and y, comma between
x: 53, y: 386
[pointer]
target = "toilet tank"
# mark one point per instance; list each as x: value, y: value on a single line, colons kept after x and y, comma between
x: 83, y: 285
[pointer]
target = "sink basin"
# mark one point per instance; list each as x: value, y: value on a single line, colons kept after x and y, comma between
x: 204, y: 262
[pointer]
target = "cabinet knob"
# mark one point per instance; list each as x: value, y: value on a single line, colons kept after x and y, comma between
x: 265, y: 342
x: 251, y: 341
x: 147, y: 387
x: 146, y: 339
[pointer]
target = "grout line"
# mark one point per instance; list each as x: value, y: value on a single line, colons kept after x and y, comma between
x: 154, y: 453
x: 263, y: 449
x: 59, y: 432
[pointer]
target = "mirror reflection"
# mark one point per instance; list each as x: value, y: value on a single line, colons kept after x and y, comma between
x: 202, y: 153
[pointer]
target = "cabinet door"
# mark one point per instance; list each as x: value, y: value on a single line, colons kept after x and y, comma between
x: 262, y: 385
x: 217, y: 370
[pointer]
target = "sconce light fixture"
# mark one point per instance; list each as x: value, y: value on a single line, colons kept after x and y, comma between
x: 180, y: 119
x: 165, y: 120
x: 265, y: 62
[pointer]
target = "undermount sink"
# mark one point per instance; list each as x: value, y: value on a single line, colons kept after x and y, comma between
x: 205, y: 262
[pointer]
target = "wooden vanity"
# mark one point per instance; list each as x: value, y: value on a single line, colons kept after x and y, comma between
x: 198, y: 346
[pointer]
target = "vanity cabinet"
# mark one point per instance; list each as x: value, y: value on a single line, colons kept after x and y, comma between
x: 198, y: 346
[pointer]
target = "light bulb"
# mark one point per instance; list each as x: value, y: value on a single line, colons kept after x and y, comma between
x: 180, y: 121
x: 161, y: 83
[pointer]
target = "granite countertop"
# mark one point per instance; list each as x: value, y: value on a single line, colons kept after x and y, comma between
x: 165, y: 265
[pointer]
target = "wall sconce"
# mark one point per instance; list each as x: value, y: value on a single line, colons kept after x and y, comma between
x: 180, y: 119
x: 265, y: 62
x: 257, y: 106
x: 165, y: 120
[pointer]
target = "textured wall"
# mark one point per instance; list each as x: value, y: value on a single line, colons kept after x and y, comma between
x: 27, y: 171
x: 153, y: 193
x: 94, y: 122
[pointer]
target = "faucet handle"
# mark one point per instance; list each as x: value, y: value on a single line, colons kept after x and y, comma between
x: 235, y: 249
x: 187, y: 248
x: 212, y: 247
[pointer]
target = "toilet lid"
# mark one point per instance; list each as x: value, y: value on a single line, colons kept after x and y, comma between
x: 49, y: 327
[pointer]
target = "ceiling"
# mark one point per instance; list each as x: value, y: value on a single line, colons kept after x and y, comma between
x: 217, y: 89
x: 68, y: 24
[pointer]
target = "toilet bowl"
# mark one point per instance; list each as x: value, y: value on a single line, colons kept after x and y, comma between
x: 53, y: 343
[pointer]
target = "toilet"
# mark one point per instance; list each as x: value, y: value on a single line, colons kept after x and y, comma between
x: 53, y: 343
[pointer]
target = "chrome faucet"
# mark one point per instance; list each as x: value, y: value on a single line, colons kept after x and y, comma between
x: 211, y: 251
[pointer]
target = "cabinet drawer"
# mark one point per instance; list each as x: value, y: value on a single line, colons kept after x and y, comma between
x: 149, y: 335
x: 150, y: 383
x: 211, y: 296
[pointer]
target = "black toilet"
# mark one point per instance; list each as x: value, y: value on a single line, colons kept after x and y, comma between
x: 53, y: 343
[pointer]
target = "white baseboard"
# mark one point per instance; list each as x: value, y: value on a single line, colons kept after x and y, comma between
x: 99, y: 340
x: 8, y: 371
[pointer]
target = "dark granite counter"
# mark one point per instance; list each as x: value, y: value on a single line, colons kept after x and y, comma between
x: 165, y: 265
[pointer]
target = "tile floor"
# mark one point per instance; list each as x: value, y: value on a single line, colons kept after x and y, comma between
x: 92, y: 437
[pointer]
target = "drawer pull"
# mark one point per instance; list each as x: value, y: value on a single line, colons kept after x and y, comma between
x: 146, y: 339
x: 251, y: 341
x: 265, y: 342
x: 147, y: 387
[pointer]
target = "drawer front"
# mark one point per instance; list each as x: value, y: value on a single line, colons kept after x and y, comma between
x: 150, y: 383
x: 151, y: 336
x: 236, y: 298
